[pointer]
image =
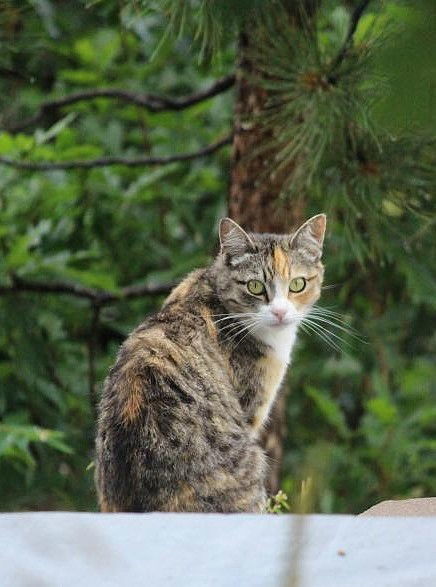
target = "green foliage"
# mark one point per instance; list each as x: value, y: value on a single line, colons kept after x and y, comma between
x: 315, y: 100
x: 103, y: 228
x: 15, y: 441
x: 278, y: 504
x: 207, y: 21
x: 388, y: 453
x: 322, y: 112
x: 361, y: 421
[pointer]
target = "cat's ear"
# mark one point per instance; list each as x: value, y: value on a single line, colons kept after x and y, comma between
x: 310, y: 236
x: 233, y: 239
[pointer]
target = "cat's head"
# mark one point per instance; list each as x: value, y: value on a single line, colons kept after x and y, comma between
x: 273, y: 279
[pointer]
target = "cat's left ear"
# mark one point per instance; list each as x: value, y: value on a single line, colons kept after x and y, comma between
x: 310, y: 235
x: 233, y: 239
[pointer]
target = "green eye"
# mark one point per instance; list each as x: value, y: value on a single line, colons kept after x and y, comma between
x: 297, y: 284
x: 255, y: 287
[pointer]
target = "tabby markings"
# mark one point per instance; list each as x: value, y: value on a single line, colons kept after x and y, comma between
x: 281, y: 263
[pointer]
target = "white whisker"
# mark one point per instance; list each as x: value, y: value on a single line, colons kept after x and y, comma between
x: 326, y: 310
x: 326, y: 330
x: 254, y: 326
x: 334, y: 316
x: 349, y: 330
x: 232, y: 327
x: 235, y: 329
x: 233, y: 316
x: 236, y: 314
x: 243, y: 329
x: 321, y: 334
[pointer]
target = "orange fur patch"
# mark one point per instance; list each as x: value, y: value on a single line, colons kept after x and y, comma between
x: 308, y: 296
x: 273, y: 372
x: 184, y: 499
x: 281, y: 263
x: 210, y: 324
x: 180, y: 292
x: 133, y: 403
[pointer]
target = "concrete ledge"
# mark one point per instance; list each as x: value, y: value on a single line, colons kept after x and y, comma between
x: 423, y: 506
x: 194, y: 550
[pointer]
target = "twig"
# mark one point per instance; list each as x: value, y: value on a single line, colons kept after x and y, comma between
x: 99, y: 297
x: 151, y: 102
x: 109, y: 161
x: 354, y: 21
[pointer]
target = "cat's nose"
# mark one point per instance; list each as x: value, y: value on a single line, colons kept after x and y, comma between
x: 279, y: 313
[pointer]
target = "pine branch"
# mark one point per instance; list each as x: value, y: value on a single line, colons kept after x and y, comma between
x: 109, y: 161
x: 151, y: 102
x: 354, y: 21
x: 98, y: 297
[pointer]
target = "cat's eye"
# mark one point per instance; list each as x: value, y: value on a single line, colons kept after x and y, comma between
x: 297, y: 284
x: 255, y: 287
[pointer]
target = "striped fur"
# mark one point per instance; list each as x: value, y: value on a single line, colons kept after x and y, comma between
x: 192, y: 386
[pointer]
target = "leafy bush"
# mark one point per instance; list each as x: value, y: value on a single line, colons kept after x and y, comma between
x: 361, y: 421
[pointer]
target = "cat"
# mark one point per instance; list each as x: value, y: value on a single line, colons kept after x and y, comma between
x: 192, y: 386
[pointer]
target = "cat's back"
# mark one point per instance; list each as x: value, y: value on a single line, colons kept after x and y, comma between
x: 173, y: 354
x: 178, y: 344
x: 172, y: 434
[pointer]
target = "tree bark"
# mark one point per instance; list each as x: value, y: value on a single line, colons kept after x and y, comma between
x: 255, y: 189
x: 255, y: 204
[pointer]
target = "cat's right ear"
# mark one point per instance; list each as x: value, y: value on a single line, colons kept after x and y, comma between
x: 233, y: 239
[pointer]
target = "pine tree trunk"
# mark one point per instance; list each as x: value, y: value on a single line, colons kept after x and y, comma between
x: 254, y: 203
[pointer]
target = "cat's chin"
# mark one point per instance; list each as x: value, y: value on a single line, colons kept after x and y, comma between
x: 282, y: 325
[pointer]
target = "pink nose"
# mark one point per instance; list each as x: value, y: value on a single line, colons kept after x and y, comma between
x: 279, y: 313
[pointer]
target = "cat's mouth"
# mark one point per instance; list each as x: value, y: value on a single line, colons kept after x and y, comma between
x: 283, y: 323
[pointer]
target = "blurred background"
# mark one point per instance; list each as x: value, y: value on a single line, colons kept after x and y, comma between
x: 125, y: 136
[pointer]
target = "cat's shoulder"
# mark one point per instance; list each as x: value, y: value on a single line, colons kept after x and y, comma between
x: 188, y: 289
x: 184, y: 316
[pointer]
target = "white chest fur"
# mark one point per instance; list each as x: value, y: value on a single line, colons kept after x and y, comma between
x: 280, y: 339
x: 273, y: 366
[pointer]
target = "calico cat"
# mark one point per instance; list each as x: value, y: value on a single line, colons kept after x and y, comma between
x: 192, y: 386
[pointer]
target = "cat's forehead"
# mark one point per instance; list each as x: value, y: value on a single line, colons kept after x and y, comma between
x: 268, y: 244
x: 273, y: 253
x: 282, y: 250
